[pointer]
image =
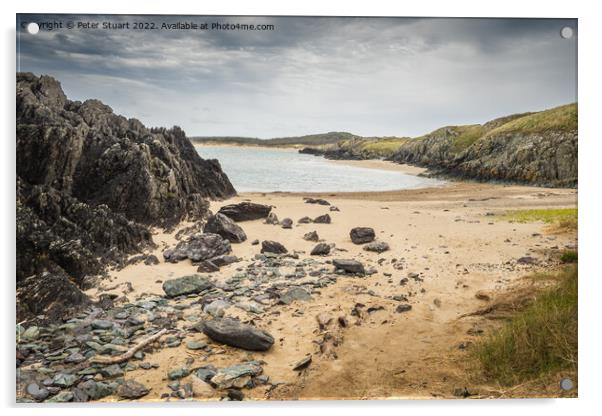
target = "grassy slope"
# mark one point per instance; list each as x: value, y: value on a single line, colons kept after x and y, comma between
x: 539, y: 340
x: 563, y: 118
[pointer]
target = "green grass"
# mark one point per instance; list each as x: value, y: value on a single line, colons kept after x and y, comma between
x: 468, y: 135
x: 537, y: 341
x: 569, y: 256
x: 562, y: 118
x: 564, y: 218
x: 382, y: 147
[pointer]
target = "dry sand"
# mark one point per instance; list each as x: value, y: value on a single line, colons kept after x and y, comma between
x: 448, y: 235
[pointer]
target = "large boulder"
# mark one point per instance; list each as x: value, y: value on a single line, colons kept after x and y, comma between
x: 275, y: 247
x: 186, y: 285
x: 245, y: 211
x: 224, y: 226
x: 198, y: 247
x: 236, y: 334
x: 362, y: 235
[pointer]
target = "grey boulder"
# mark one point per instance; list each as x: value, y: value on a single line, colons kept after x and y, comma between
x: 245, y: 211
x: 236, y: 334
x: 321, y: 249
x: 268, y: 246
x: 131, y: 389
x: 225, y: 227
x: 198, y: 247
x: 362, y: 235
x: 323, y: 219
x: 349, y: 266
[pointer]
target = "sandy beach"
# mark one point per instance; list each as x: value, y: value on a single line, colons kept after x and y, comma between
x: 449, y: 240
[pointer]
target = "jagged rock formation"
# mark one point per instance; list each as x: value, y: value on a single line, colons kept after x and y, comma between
x: 55, y: 229
x: 90, y: 183
x: 535, y: 148
x: 151, y: 176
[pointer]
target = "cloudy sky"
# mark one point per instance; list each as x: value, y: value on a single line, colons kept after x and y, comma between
x: 368, y: 76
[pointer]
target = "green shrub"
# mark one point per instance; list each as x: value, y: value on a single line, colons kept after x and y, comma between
x: 569, y: 256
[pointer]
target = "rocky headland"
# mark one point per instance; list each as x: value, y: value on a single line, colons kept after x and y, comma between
x: 90, y: 184
x: 531, y: 148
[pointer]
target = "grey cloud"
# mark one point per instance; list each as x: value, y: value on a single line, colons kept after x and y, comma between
x: 370, y: 76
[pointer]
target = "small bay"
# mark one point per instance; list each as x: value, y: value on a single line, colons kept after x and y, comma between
x: 260, y: 169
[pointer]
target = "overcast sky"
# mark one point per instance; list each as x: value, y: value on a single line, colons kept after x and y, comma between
x: 367, y: 76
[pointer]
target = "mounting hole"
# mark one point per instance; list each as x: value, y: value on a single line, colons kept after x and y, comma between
x: 566, y: 384
x: 33, y: 28
x: 566, y: 32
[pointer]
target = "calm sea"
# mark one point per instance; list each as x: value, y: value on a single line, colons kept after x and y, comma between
x: 265, y: 170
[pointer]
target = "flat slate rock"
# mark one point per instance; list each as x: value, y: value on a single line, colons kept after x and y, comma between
x: 186, y: 285
x: 293, y: 294
x: 236, y: 334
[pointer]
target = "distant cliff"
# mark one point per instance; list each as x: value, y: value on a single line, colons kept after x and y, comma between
x: 535, y: 148
x: 90, y: 182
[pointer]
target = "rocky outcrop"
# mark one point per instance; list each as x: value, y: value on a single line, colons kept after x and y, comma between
x: 57, y: 231
x: 542, y: 158
x: 51, y: 294
x: 152, y: 176
x: 533, y: 148
x: 90, y: 183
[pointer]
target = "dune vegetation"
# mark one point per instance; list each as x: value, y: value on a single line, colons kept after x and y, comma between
x: 539, y: 340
